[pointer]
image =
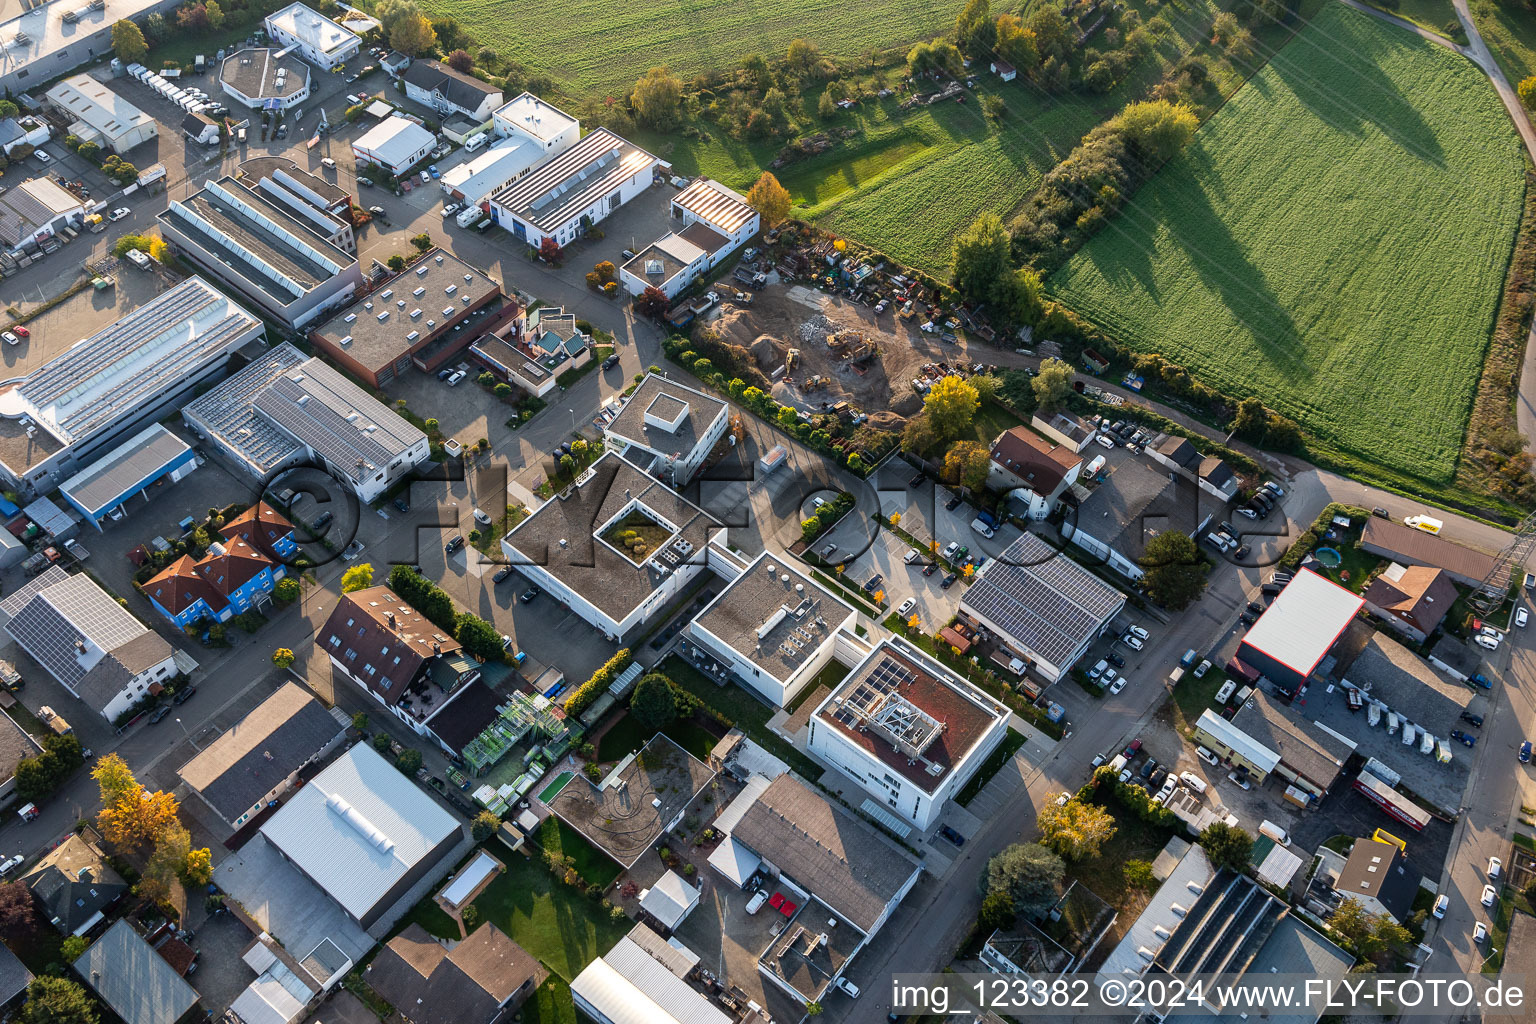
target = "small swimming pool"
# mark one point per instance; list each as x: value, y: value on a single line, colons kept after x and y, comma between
x: 1329, y: 557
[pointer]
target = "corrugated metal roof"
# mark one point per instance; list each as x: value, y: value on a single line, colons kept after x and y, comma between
x: 358, y: 828
x: 715, y: 204
x: 1304, y: 621
x: 125, y: 467
x: 138, y: 984
x: 626, y: 986
x: 1230, y: 736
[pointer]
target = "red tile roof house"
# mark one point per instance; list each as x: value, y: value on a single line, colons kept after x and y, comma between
x: 1036, y: 471
x: 228, y: 580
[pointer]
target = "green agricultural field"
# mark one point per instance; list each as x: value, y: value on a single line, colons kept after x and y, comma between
x: 597, y: 47
x: 1333, y: 241
x: 909, y: 180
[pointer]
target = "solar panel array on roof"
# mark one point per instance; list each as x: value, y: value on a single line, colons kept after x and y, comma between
x: 715, y: 204
x: 228, y: 413
x: 1044, y: 601
x: 136, y: 358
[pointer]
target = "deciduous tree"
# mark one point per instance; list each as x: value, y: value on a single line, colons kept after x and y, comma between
x: 1526, y: 88
x: 215, y: 15
x: 1175, y: 574
x: 413, y: 35
x: 975, y: 32
x: 979, y: 259
x: 1016, y: 44
x: 461, y: 61
x: 951, y: 404
x: 484, y: 826
x: 282, y: 657
x: 770, y: 199
x: 652, y: 302
x: 359, y: 577
x: 57, y: 1000
x: 128, y: 42
x: 967, y: 464
x: 656, y: 97
x: 1052, y: 384
x: 1075, y: 829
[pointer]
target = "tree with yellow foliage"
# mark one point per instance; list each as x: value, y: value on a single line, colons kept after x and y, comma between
x: 770, y: 199
x: 131, y: 816
x: 912, y: 622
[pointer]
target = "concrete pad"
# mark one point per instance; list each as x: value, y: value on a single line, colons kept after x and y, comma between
x: 288, y: 905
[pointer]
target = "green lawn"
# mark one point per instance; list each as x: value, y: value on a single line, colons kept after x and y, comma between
x: 893, y: 184
x: 551, y: 1003
x: 628, y: 735
x: 591, y: 863
x: 1439, y: 16
x: 431, y: 917
x: 741, y: 709
x: 1192, y: 696
x: 990, y: 420
x: 554, y: 922
x: 1334, y: 241
x: 1105, y: 874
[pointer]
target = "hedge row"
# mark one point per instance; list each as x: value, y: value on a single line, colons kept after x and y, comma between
x: 590, y: 690
x: 1308, y: 540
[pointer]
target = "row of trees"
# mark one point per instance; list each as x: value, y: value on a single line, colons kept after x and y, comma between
x: 478, y: 636
x: 134, y: 820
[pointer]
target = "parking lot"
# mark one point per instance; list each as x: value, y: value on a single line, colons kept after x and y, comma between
x: 79, y: 316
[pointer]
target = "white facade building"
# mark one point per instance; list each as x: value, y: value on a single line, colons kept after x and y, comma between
x: 579, y: 186
x: 706, y: 201
x: 529, y: 117
x: 668, y: 429
x: 574, y: 546
x: 503, y: 162
x: 908, y: 730
x: 773, y: 628
x: 320, y: 40
x: 395, y: 144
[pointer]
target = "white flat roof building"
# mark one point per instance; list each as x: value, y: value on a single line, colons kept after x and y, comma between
x: 102, y: 388
x: 668, y: 428
x: 362, y: 833
x: 722, y: 208
x: 100, y: 115
x: 551, y: 128
x: 320, y: 40
x: 395, y: 144
x: 43, y: 41
x: 1299, y: 628
x: 589, y: 179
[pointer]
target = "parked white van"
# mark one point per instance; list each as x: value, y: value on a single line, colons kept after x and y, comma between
x: 1193, y: 781
x: 1275, y: 832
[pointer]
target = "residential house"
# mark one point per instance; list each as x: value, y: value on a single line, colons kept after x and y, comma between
x: 15, y: 746
x: 481, y: 980
x: 1377, y: 877
x: 87, y: 641
x: 554, y: 335
x: 1134, y: 503
x: 75, y: 886
x: 1212, y: 475
x: 14, y: 977
x: 1412, y: 599
x: 200, y: 128
x: 138, y: 984
x: 231, y: 578
x: 265, y: 529
x: 447, y: 91
x: 406, y: 662
x: 1033, y: 470
x: 1407, y: 546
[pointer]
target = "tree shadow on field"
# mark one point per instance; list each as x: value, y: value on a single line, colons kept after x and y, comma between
x: 1340, y: 83
x: 1225, y: 269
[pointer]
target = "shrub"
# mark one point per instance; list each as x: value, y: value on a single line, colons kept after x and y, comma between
x: 589, y: 691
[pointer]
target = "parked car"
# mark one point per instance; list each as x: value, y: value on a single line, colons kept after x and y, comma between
x: 450, y: 208
x: 482, y: 518
x: 454, y: 543
x: 1138, y: 632
x: 1476, y: 721
x: 611, y: 361
x: 1525, y: 752
x: 1442, y: 904
x: 1148, y: 768
x: 873, y: 582
x: 159, y: 715
x: 1479, y: 932
x: 184, y: 694
x: 1104, y: 441
x: 11, y: 864
x: 9, y: 338
x: 930, y: 568
x: 323, y: 520
x: 827, y: 551
x: 119, y: 213
x: 1465, y: 739
x: 1115, y: 659
x: 949, y: 581
x: 1119, y: 685
x: 1487, y: 642
x: 42, y: 156
x: 1274, y: 488
x: 1170, y: 784
x: 1097, y: 670
x: 951, y: 504
x: 916, y: 481
x: 1490, y: 895
x: 1193, y: 781
x: 1247, y: 512
x: 950, y: 550
x: 502, y: 574
x: 21, y: 330
x: 455, y: 377
x: 1521, y: 617
x: 906, y: 607
x: 529, y: 594
x: 1242, y: 551
x: 1240, y: 781
x: 401, y: 505
x: 1495, y: 867
x: 1132, y: 749
x: 445, y: 374
x: 1133, y: 642
x: 951, y: 835
x: 1248, y: 618
x: 1206, y: 756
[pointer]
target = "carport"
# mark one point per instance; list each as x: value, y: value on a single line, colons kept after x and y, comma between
x: 102, y: 489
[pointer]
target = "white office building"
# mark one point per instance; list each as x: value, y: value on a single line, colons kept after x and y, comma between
x: 321, y: 41
x: 578, y: 187
x: 668, y: 429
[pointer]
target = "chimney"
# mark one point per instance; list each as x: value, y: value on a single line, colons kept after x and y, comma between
x: 80, y: 646
x: 391, y: 620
